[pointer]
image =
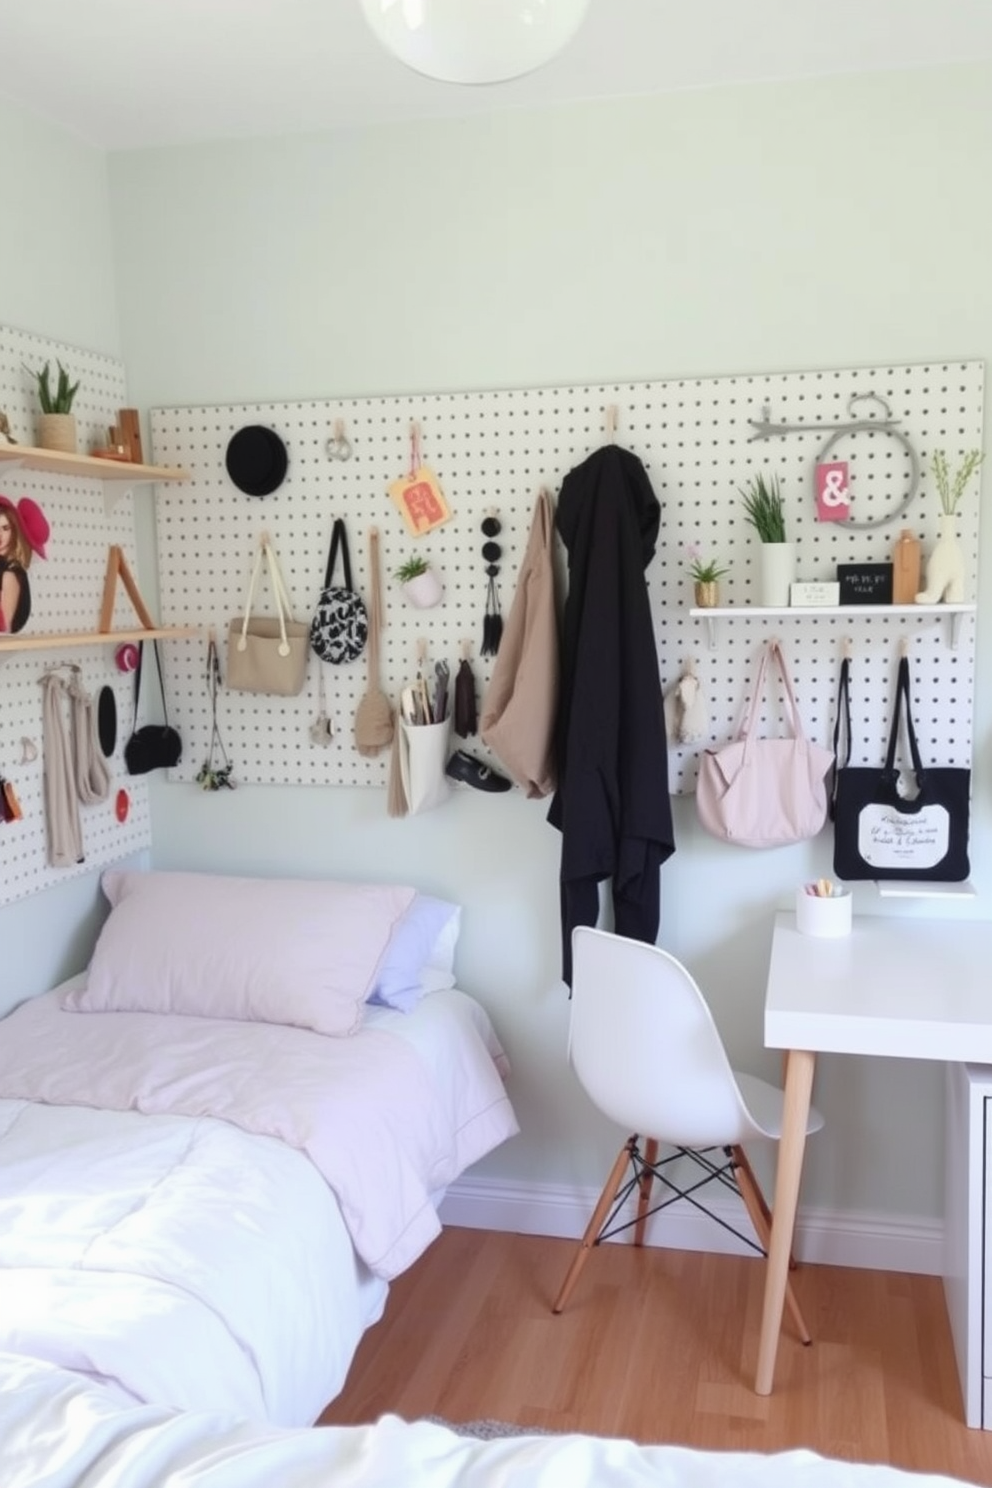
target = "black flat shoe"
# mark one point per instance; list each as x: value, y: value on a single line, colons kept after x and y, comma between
x: 471, y: 771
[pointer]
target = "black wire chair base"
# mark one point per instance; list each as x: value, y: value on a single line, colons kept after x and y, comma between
x: 715, y: 1171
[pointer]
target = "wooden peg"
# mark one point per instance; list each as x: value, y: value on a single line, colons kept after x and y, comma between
x: 846, y: 649
x: 117, y: 567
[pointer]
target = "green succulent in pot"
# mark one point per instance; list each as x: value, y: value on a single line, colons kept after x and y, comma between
x: 60, y: 398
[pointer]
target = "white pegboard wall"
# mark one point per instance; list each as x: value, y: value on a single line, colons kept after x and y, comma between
x: 493, y: 451
x: 66, y: 589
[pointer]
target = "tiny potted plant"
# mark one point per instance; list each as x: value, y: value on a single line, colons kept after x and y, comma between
x: 56, y: 429
x: 705, y: 575
x: 420, y: 584
x: 764, y: 509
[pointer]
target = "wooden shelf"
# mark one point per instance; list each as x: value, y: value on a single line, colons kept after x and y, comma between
x: 26, y: 457
x: 95, y: 638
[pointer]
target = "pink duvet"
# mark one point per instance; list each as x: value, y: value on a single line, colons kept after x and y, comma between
x: 384, y: 1134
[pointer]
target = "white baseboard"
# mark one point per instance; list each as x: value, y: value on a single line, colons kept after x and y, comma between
x: 865, y: 1241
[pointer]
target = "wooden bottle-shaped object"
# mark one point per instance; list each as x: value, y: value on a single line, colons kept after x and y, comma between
x: 905, y: 567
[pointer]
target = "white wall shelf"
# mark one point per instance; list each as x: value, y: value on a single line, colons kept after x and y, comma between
x: 952, y: 612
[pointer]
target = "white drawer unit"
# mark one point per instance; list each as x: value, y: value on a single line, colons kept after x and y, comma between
x: 967, y: 1250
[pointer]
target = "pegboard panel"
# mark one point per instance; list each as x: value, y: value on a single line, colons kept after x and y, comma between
x: 66, y: 589
x: 492, y: 451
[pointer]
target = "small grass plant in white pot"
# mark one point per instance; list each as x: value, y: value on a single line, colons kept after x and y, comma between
x: 420, y: 584
x: 764, y: 509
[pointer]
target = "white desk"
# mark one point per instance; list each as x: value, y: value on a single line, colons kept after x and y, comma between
x: 909, y: 989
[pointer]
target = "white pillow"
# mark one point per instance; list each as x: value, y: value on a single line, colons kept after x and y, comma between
x: 419, y: 947
x: 297, y: 951
x: 439, y: 971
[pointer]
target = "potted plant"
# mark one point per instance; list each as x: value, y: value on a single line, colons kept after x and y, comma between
x: 56, y: 429
x: 764, y: 509
x: 420, y: 584
x: 705, y: 575
x: 945, y: 565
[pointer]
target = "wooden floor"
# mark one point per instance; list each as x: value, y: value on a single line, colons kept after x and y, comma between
x: 661, y: 1345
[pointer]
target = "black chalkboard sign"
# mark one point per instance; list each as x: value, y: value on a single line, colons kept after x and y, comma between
x: 865, y: 583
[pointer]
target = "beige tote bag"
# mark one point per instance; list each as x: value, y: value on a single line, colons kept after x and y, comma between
x: 268, y: 653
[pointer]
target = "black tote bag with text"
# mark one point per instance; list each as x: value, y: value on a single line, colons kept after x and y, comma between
x: 882, y: 833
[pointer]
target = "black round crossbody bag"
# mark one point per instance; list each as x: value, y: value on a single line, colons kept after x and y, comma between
x: 340, y: 624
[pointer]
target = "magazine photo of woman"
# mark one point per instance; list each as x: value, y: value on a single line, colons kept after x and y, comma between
x: 24, y: 531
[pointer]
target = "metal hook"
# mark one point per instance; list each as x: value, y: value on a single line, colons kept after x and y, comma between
x: 338, y: 447
x: 29, y: 750
x: 868, y: 398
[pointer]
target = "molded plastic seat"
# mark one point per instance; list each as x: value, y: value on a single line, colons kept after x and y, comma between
x: 645, y: 1048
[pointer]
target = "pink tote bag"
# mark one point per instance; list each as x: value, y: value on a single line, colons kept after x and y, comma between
x: 764, y: 792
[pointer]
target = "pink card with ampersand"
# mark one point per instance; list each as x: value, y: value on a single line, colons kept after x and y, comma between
x: 833, y: 491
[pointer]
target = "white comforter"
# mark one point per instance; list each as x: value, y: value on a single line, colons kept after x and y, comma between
x: 196, y: 1264
x: 368, y: 1110
x: 186, y: 1262
x: 61, y: 1432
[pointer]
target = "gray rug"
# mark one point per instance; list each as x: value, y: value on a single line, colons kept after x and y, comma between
x: 487, y: 1430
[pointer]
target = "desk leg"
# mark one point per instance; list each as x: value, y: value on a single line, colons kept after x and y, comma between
x: 798, y: 1090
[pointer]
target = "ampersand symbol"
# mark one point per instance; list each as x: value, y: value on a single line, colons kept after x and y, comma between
x: 834, y: 491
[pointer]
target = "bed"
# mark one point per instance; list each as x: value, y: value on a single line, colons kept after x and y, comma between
x: 60, y: 1430
x: 204, y: 1211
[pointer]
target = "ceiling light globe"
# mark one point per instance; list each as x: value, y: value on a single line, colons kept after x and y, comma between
x: 474, y: 41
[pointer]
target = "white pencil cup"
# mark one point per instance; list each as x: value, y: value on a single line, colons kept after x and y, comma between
x: 827, y: 917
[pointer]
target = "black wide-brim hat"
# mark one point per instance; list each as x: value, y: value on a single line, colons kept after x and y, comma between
x: 256, y: 460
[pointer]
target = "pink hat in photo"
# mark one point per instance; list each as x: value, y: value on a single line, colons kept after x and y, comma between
x: 34, y: 523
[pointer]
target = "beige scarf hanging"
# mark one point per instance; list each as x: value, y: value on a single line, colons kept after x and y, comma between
x: 374, y: 725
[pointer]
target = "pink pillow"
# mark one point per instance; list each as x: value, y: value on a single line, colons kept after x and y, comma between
x: 297, y: 951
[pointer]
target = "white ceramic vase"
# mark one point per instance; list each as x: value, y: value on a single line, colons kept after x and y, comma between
x: 945, y: 567
x: 777, y: 572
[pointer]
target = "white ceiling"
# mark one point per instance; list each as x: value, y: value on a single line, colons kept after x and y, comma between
x: 126, y: 74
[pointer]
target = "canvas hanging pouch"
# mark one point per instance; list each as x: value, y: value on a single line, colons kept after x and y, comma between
x: 423, y: 754
x: 340, y: 624
x: 267, y: 653
x: 895, y: 824
x: 764, y: 792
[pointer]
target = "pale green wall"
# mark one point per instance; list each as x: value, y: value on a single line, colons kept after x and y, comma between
x: 57, y: 279
x: 779, y: 227
x: 829, y: 224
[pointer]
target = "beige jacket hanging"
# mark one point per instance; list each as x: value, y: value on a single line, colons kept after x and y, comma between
x: 521, y: 701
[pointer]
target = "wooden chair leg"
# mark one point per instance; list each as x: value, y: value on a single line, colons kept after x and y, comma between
x: 596, y: 1223
x: 644, y: 1188
x: 757, y: 1208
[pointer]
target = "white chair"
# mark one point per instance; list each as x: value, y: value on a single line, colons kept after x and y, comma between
x: 645, y: 1048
